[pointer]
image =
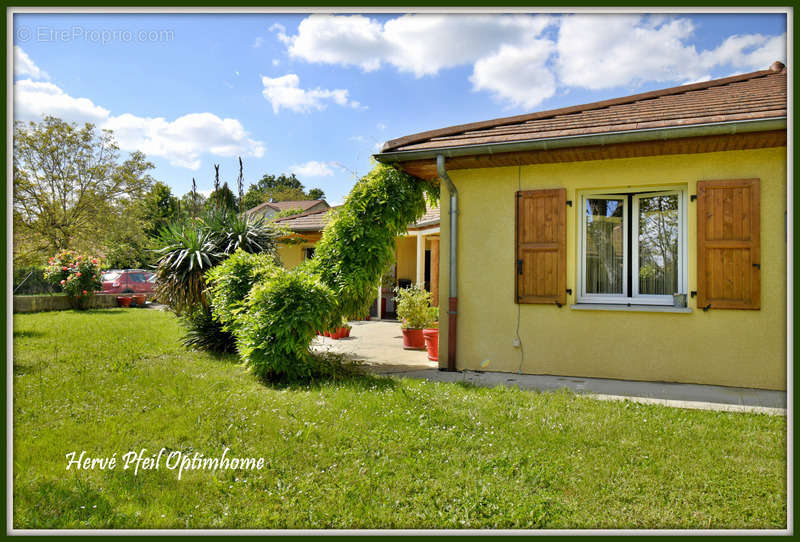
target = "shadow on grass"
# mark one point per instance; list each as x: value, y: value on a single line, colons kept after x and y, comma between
x: 28, y: 334
x: 336, y: 369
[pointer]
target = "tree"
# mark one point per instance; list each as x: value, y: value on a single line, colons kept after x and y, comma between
x: 271, y: 182
x: 316, y: 193
x: 158, y: 208
x: 192, y: 203
x: 222, y: 198
x: 68, y: 183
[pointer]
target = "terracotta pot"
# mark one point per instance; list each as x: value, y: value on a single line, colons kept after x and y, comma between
x: 413, y: 339
x: 347, y: 331
x: 326, y: 333
x: 140, y: 300
x: 432, y: 343
x: 124, y: 300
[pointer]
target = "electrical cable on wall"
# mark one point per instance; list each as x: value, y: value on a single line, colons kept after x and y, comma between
x: 519, y: 305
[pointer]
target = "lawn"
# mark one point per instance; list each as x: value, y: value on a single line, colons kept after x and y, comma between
x: 362, y: 452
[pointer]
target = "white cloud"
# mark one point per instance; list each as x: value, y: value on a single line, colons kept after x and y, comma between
x: 513, y: 57
x: 285, y: 92
x: 605, y: 51
x: 23, y: 65
x: 312, y: 169
x: 32, y: 99
x: 749, y: 52
x: 517, y: 75
x: 258, y: 42
x: 182, y: 141
x: 275, y: 62
x: 420, y: 44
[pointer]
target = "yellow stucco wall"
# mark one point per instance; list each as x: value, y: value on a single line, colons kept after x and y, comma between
x: 406, y: 256
x: 724, y: 347
x: 292, y: 255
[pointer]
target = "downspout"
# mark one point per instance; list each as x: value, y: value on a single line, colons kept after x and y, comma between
x: 453, y: 262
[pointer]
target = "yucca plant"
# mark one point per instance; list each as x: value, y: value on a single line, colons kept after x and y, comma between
x: 205, y: 333
x: 187, y: 251
x: 232, y: 231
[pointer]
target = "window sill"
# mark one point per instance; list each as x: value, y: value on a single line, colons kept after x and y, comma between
x: 626, y: 308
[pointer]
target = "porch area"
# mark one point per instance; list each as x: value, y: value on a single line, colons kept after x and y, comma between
x: 378, y: 345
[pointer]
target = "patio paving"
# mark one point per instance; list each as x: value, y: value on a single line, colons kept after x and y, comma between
x: 378, y: 344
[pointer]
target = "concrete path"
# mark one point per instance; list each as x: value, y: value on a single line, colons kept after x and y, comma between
x: 676, y: 395
x: 379, y: 346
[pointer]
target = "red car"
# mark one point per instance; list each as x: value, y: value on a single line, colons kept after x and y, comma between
x: 124, y: 281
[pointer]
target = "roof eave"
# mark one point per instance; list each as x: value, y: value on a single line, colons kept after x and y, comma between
x: 606, y: 138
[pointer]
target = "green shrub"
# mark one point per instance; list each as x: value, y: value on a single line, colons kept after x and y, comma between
x: 78, y: 275
x: 357, y: 245
x: 413, y: 307
x: 231, y: 281
x: 279, y: 319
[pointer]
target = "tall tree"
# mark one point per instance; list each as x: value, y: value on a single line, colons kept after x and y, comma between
x: 158, y: 208
x: 68, y: 181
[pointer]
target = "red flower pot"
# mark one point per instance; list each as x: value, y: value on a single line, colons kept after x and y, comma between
x: 124, y: 300
x: 413, y: 339
x: 347, y: 331
x: 140, y: 300
x: 326, y: 333
x: 432, y: 343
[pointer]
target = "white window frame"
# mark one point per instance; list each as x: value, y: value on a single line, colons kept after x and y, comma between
x: 628, y: 217
x: 593, y: 297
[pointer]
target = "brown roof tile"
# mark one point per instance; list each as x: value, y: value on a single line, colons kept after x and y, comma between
x: 316, y: 220
x: 750, y: 96
x: 284, y: 205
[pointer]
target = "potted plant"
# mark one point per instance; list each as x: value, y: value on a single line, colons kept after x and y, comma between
x: 140, y: 299
x: 124, y: 300
x: 431, y: 334
x: 413, y: 308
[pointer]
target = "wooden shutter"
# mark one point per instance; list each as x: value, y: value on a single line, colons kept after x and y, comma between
x: 729, y: 244
x: 541, y: 264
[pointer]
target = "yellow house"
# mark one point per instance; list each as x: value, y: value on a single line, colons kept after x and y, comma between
x: 416, y: 253
x: 639, y: 238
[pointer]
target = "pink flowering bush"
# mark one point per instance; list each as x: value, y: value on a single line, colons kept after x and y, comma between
x: 78, y: 275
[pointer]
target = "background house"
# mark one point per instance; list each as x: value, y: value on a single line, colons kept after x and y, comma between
x: 416, y: 253
x: 268, y: 209
x: 639, y: 238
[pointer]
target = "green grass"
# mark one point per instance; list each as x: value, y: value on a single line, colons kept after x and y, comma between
x: 362, y: 452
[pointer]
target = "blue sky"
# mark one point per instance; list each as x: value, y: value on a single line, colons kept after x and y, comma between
x: 318, y: 94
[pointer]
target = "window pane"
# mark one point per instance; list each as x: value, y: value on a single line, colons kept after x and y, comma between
x: 604, y: 246
x: 658, y: 245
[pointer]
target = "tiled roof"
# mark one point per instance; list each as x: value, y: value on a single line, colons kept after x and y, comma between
x: 752, y: 96
x: 283, y: 205
x: 430, y: 218
x: 316, y: 220
x: 308, y: 221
